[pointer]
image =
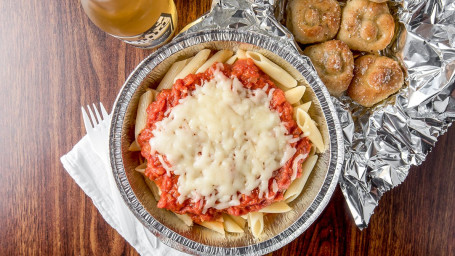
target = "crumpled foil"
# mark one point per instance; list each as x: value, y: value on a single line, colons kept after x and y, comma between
x: 383, y: 142
x: 244, y: 15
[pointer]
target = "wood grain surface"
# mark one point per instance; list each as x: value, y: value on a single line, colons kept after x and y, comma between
x: 53, y: 60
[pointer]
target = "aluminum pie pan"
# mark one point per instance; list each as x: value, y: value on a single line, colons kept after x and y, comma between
x: 196, y: 240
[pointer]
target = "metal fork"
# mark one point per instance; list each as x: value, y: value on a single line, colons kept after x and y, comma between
x: 97, y: 127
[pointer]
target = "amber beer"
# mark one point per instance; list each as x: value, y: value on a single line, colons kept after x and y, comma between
x: 142, y: 23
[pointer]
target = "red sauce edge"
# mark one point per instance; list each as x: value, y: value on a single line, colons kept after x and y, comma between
x: 252, y: 78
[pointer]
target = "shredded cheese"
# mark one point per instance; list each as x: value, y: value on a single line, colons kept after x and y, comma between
x: 222, y: 140
x: 295, y: 165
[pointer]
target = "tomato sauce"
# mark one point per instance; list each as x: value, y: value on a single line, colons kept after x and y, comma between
x: 252, y: 78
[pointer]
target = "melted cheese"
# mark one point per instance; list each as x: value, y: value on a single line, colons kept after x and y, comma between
x: 295, y: 165
x: 222, y: 140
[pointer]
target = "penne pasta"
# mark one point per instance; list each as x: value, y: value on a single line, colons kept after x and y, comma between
x: 232, y: 59
x: 297, y: 185
x: 256, y: 223
x: 220, y: 56
x: 308, y: 126
x: 230, y: 225
x: 272, y: 69
x: 277, y: 207
x: 141, y: 168
x: 141, y: 117
x: 174, y: 70
x: 193, y: 65
x: 185, y: 218
x: 282, y: 87
x: 216, y: 226
x: 134, y: 147
x: 241, y: 54
x: 305, y: 106
x: 295, y: 94
x: 152, y: 186
x: 312, y: 151
x: 239, y: 220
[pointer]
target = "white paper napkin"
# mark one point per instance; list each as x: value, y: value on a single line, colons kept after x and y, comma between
x: 89, y: 171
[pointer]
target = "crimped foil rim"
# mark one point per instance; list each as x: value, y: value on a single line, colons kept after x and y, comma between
x: 302, y: 64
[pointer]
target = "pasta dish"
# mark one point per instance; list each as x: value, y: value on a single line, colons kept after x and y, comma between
x: 225, y: 140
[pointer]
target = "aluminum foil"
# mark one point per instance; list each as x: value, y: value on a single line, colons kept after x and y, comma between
x: 383, y: 142
x: 245, y: 15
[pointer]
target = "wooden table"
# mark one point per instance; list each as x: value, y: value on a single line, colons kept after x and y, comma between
x: 53, y: 60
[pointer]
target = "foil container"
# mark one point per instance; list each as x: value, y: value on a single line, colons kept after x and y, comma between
x: 251, y: 27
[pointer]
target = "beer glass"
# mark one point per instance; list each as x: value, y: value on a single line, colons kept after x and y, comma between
x: 142, y: 23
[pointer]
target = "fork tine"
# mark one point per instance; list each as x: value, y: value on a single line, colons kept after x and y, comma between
x: 92, y: 116
x: 87, y: 122
x: 97, y: 113
x: 103, y: 111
